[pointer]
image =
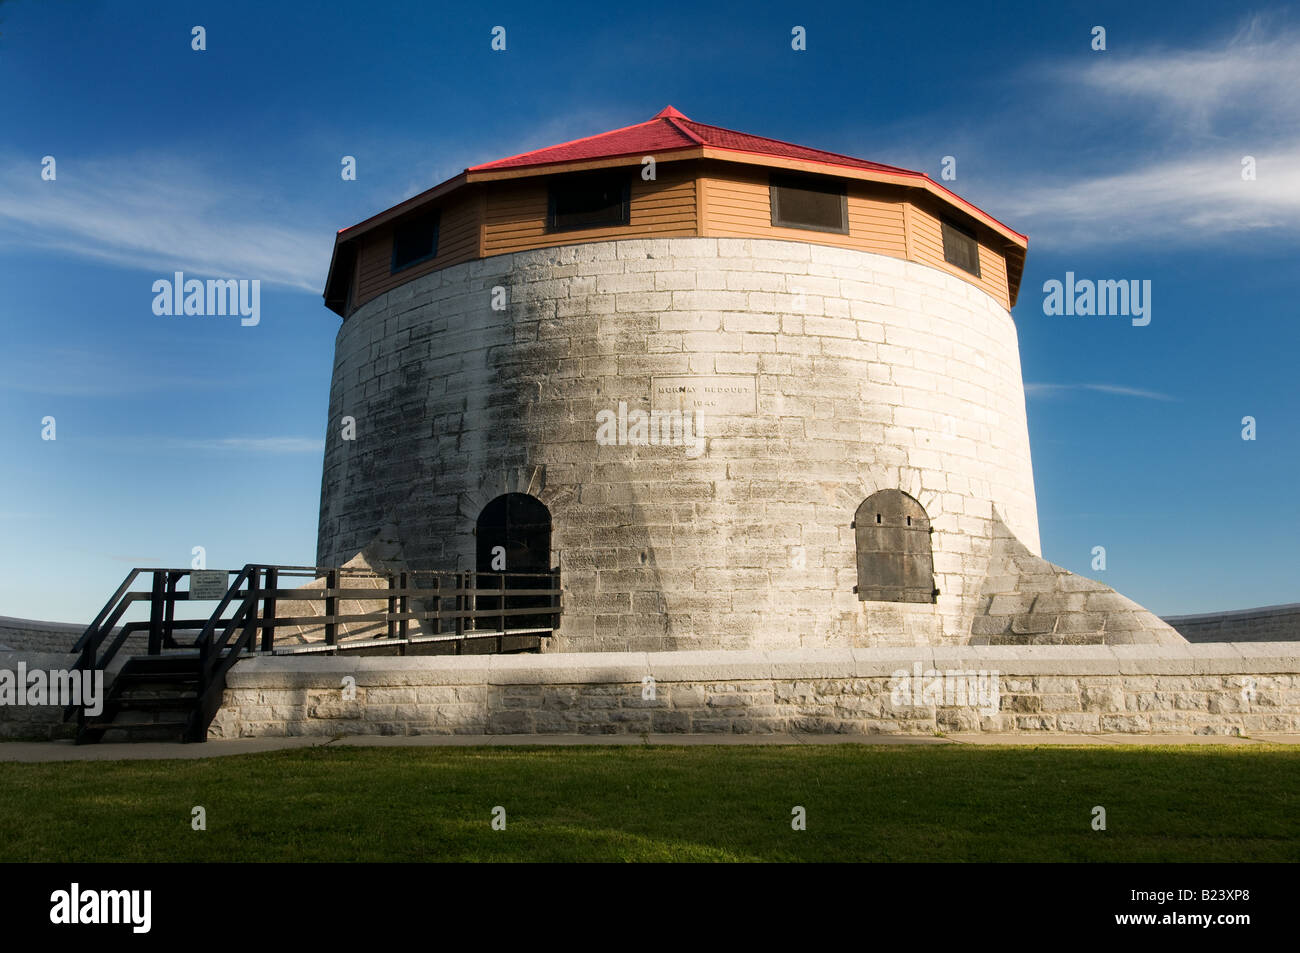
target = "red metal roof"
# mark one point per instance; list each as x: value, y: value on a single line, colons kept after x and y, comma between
x: 669, y: 129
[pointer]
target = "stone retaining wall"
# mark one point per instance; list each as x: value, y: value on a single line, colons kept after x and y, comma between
x: 34, y: 722
x: 32, y: 635
x: 1264, y: 624
x: 1218, y: 689
x: 36, y: 635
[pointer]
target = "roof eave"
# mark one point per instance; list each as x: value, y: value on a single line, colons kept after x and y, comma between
x: 382, y: 218
x: 1017, y: 243
x: 329, y: 280
x: 480, y: 174
x: 348, y: 235
x: 902, y: 177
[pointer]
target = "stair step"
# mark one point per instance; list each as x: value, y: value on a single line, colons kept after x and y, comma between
x: 160, y: 676
x: 135, y: 725
x: 153, y: 691
x: 154, y: 661
x: 156, y: 686
x: 141, y: 704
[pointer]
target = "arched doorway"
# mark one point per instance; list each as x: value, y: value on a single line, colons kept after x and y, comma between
x: 514, y: 536
x: 895, y: 560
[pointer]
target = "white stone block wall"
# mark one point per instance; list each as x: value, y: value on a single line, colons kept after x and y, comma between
x: 34, y: 722
x: 1028, y: 601
x: 1208, y: 689
x: 35, y: 635
x: 872, y: 373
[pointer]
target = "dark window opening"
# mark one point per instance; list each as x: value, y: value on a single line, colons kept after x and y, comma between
x: 514, y: 530
x: 415, y: 241
x: 588, y: 201
x: 895, y: 561
x: 960, y: 248
x: 803, y: 202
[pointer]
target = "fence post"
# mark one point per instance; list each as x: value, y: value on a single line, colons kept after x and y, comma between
x: 268, y: 611
x: 157, y: 596
x: 392, y: 607
x: 555, y: 598
x: 437, y: 605
x: 170, y: 617
x: 404, y: 604
x: 501, y: 639
x: 331, y: 607
x: 460, y: 610
x: 250, y: 614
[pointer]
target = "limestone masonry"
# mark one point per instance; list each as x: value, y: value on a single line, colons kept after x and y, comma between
x: 754, y: 410
x: 1237, y: 690
x: 721, y: 390
x: 865, y: 373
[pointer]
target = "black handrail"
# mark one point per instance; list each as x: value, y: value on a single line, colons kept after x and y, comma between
x: 221, y: 641
x: 214, y: 660
x: 94, y: 627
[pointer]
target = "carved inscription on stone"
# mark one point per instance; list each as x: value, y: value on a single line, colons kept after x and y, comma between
x: 713, y: 395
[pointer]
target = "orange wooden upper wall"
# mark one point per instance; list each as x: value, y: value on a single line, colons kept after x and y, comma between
x: 687, y: 199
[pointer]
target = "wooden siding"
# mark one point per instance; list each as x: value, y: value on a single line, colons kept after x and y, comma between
x: 458, y: 241
x: 712, y: 199
x: 738, y: 205
x: 516, y: 213
x: 926, y: 241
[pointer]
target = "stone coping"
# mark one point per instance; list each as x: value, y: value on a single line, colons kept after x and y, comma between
x: 9, y: 622
x: 1233, y: 615
x: 1207, y: 658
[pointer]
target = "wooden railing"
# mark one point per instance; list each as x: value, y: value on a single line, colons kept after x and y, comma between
x: 453, y: 608
x: 457, y: 607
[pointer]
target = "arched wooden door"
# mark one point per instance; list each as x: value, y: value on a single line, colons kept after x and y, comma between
x: 895, y: 560
x: 514, y: 536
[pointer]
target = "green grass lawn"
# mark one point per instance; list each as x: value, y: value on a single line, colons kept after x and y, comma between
x: 664, y: 804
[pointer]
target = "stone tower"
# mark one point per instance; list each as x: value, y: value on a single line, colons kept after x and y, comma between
x: 740, y: 393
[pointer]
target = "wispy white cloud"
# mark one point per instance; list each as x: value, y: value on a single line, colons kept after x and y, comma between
x: 1180, y: 200
x: 1038, y: 389
x: 162, y: 213
x: 1181, y: 122
x: 159, y: 214
x: 272, y: 445
x: 76, y: 372
x: 1251, y: 78
x: 484, y: 144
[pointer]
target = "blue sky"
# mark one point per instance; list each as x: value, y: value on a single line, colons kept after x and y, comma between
x: 182, y: 432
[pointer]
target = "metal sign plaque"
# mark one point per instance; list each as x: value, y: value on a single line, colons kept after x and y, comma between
x: 208, y: 583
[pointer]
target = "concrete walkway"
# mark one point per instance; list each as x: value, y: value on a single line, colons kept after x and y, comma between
x: 26, y: 751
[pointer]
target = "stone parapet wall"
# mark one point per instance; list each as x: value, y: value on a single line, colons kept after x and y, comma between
x: 32, y: 635
x: 34, y: 722
x: 1264, y: 624
x: 1212, y: 689
x: 35, y: 635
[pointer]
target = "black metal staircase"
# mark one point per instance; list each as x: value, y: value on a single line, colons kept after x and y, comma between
x: 152, y: 695
x: 174, y: 689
